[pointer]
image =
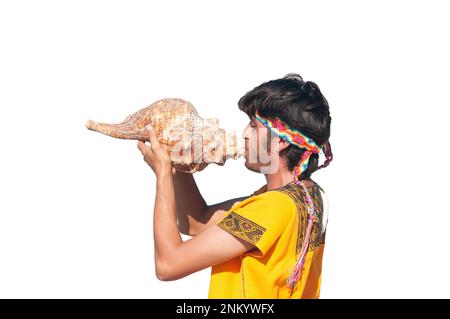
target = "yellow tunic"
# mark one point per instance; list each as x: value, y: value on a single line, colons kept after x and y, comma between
x: 275, y: 222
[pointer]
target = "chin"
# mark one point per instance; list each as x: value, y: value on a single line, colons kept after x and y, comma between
x: 251, y: 167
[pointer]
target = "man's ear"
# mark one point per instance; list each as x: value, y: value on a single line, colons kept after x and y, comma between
x: 282, y: 144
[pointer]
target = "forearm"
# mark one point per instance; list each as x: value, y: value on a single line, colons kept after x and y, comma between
x: 165, y: 230
x: 190, y: 205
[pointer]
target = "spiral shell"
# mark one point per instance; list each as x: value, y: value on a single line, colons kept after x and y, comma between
x: 192, y: 142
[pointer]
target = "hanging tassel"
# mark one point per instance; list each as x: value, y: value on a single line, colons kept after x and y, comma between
x: 297, y: 271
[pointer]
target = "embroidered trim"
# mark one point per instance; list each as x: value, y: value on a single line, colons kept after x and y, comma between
x: 297, y: 194
x: 242, y: 227
x: 322, y: 240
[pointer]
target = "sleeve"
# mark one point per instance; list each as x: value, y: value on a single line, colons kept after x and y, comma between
x: 260, y: 221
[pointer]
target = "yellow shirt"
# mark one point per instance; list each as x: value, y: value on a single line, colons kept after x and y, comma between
x: 275, y: 222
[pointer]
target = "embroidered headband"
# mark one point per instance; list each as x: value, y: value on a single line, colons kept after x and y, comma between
x: 299, y: 139
x: 295, y: 137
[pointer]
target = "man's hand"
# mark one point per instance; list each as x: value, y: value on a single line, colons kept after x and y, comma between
x: 156, y: 155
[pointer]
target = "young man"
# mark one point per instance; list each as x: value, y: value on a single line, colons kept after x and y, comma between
x: 266, y: 245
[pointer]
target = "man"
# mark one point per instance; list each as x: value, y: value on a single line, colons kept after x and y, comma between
x: 266, y: 245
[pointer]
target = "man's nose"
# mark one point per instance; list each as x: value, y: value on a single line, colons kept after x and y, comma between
x: 245, y: 133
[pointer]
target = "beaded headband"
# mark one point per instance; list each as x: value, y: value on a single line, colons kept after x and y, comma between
x: 299, y: 139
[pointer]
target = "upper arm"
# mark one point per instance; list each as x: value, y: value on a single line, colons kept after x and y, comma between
x: 213, y: 214
x: 211, y: 247
x: 254, y: 227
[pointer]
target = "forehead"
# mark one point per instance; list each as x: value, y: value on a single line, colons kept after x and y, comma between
x: 256, y: 122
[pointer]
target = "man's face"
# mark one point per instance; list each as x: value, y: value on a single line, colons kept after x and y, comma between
x: 261, y: 148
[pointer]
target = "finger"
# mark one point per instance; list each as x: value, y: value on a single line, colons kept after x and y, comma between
x: 141, y: 146
x: 152, y: 135
x: 144, y: 148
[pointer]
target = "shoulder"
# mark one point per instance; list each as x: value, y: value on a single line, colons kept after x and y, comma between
x: 269, y: 202
x: 274, y: 195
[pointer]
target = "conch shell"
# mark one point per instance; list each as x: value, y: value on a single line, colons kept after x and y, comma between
x: 192, y: 142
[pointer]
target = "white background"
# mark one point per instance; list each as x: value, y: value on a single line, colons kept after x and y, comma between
x: 76, y: 206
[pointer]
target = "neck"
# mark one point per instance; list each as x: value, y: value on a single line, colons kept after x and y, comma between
x: 283, y: 176
x: 278, y: 179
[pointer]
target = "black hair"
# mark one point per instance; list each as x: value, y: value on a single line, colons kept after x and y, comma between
x: 299, y: 104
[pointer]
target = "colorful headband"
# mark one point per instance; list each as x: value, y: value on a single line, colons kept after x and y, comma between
x: 299, y: 139
x: 295, y: 137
